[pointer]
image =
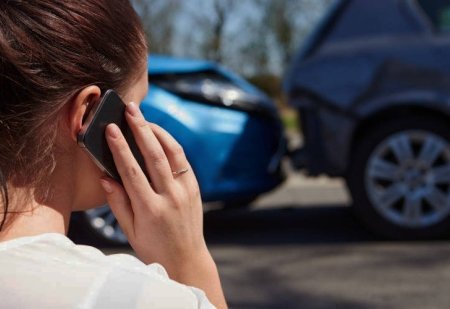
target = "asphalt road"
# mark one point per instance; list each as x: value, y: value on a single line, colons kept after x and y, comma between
x: 300, y: 247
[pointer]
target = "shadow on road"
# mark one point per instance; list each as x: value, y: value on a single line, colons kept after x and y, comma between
x: 285, y: 224
x: 288, y: 224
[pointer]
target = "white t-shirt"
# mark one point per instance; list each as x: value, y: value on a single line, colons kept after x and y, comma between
x: 50, y: 271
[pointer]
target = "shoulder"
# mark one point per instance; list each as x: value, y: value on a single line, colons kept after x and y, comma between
x: 84, y: 275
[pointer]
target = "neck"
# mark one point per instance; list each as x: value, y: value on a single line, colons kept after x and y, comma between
x: 73, y: 185
x: 38, y: 220
x: 29, y: 216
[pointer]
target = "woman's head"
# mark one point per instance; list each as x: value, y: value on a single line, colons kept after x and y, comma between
x: 54, y: 54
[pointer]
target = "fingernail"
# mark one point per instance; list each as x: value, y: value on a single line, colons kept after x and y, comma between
x: 133, y: 109
x: 113, y: 130
x: 106, y: 186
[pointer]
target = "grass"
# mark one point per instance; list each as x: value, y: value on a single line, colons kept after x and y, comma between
x: 290, y: 119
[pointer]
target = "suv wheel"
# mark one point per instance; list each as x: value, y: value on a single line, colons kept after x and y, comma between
x: 400, y: 178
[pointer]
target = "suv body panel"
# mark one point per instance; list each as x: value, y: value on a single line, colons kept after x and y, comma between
x: 366, y: 57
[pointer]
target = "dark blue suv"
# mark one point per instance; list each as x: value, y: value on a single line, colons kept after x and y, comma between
x: 372, y: 86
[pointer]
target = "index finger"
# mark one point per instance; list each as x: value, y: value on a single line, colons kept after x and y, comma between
x: 134, y: 180
x: 154, y: 156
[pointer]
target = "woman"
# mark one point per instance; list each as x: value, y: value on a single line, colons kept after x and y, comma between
x: 56, y: 58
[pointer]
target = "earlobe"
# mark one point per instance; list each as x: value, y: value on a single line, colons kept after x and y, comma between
x: 80, y: 107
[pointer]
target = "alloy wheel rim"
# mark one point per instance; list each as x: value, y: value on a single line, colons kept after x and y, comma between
x: 105, y: 223
x: 407, y: 178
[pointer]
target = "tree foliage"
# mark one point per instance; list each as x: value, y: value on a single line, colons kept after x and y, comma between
x: 158, y: 18
x: 253, y: 37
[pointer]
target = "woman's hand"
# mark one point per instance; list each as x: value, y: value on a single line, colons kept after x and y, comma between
x: 163, y: 220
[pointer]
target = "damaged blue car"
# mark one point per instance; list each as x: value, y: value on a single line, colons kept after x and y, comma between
x: 231, y: 133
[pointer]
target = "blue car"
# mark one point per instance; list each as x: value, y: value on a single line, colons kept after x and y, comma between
x: 231, y: 133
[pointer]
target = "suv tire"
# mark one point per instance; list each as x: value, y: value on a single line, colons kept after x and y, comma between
x: 399, y: 178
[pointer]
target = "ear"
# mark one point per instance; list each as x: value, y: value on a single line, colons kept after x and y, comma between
x: 79, y: 107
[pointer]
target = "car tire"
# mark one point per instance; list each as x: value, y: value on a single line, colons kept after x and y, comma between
x: 399, y: 178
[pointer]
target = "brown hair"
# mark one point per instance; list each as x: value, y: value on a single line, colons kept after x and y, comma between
x: 49, y: 51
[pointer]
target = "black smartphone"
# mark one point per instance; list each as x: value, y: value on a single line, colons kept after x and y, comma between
x: 108, y: 109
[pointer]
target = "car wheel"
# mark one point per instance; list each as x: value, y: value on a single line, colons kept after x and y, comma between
x: 103, y: 226
x: 399, y: 178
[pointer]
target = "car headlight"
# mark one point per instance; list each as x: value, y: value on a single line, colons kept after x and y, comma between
x: 208, y: 87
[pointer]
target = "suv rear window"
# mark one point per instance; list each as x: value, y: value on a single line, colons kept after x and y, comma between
x: 438, y: 11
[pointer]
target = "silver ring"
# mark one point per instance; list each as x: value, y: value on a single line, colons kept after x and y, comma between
x: 180, y: 172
